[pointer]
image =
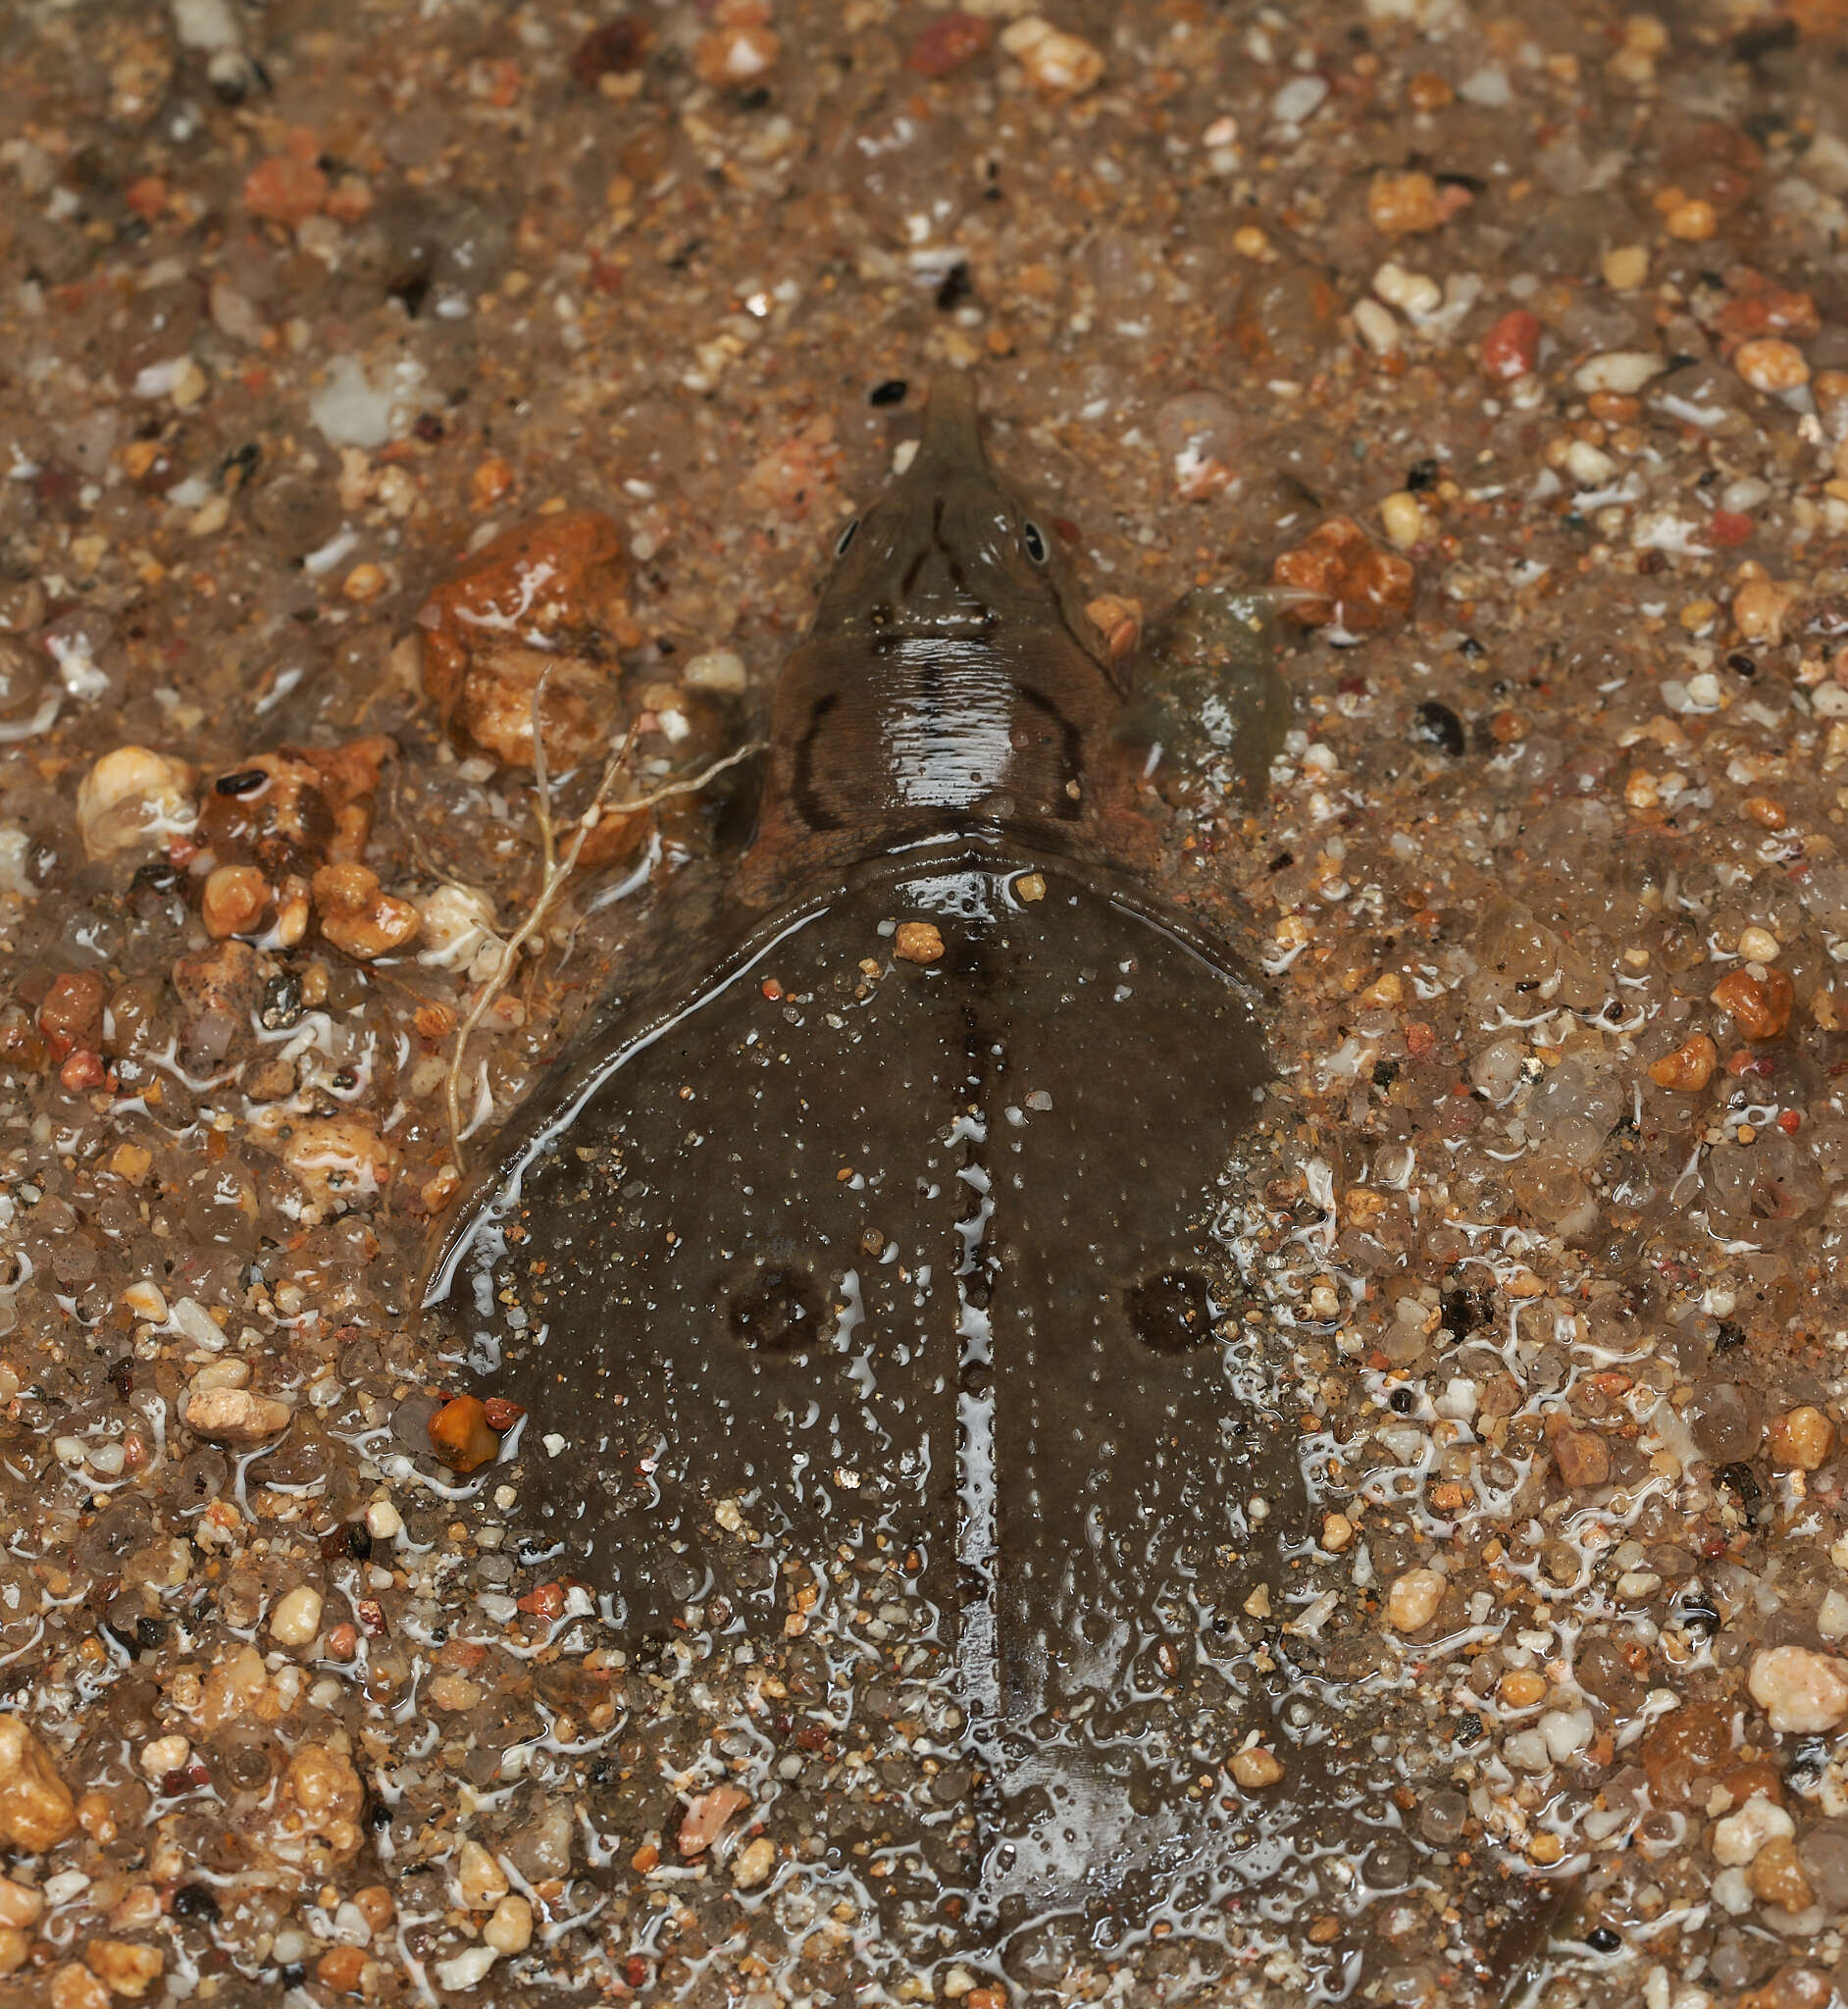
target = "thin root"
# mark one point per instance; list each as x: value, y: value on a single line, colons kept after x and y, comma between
x: 556, y: 870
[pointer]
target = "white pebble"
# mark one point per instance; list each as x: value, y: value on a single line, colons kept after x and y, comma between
x: 510, y: 1930
x: 194, y: 1323
x: 466, y: 1969
x: 382, y: 1520
x: 1589, y: 465
x: 146, y: 1301
x: 1738, y: 1839
x: 1488, y: 87
x: 1413, y: 1601
x: 1298, y: 99
x: 1412, y: 292
x: 1802, y: 1693
x: 717, y: 669
x: 1624, y: 371
x: 1376, y: 327
x: 297, y: 1617
x: 162, y: 1755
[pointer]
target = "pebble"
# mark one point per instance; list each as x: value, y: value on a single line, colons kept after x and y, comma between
x: 297, y: 1618
x: 1801, y: 1691
x: 918, y: 942
x: 1624, y: 371
x: 1339, y: 576
x: 383, y: 1521
x: 1413, y: 1601
x: 1256, y: 1768
x: 1412, y: 292
x: 1511, y: 348
x: 1771, y: 365
x: 36, y: 1808
x: 1801, y: 1439
x: 754, y: 1863
x: 1404, y: 519
x: 466, y: 1970
x: 1403, y: 204
x: 1759, y: 1000
x: 358, y: 917
x: 1298, y: 99
x: 162, y: 1755
x: 235, y: 1416
x: 461, y: 1435
x: 1059, y: 64
x: 483, y: 1881
x: 1738, y: 1837
x: 133, y: 800
x: 510, y: 1929
x: 125, y: 1968
x: 706, y: 1814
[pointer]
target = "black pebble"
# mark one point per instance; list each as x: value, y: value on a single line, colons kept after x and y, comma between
x: 1602, y: 1939
x: 1422, y: 474
x: 195, y: 1901
x: 890, y: 391
x: 1436, y: 725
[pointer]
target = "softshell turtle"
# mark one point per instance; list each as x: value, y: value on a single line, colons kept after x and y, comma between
x: 898, y: 1230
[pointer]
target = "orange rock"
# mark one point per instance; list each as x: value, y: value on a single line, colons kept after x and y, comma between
x: 286, y: 189
x: 461, y: 1435
x: 706, y: 1814
x: 358, y: 917
x: 548, y: 598
x: 1690, y: 1068
x: 1347, y: 580
x: 37, y: 1809
x: 1801, y: 1439
x: 1760, y: 1005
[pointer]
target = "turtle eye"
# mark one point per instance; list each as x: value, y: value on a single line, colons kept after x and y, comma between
x: 1035, y: 540
x: 846, y: 539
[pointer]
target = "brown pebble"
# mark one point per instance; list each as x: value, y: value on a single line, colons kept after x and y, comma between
x: 1404, y: 205
x: 1760, y: 1005
x: 1583, y: 1460
x: 1690, y: 1068
x: 234, y: 901
x: 1801, y: 1439
x: 918, y: 942
x: 1778, y: 1877
x: 461, y: 1435
x: 1345, y: 578
x: 36, y: 1810
x: 357, y: 917
x: 341, y: 1970
x: 1426, y: 91
x: 948, y: 42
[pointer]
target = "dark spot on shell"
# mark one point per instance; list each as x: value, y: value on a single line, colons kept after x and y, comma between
x: 1436, y: 725
x: 1171, y: 1312
x: 246, y: 782
x: 776, y: 1311
x: 956, y: 287
x: 891, y: 390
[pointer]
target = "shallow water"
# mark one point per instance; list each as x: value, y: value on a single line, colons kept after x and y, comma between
x: 1533, y: 830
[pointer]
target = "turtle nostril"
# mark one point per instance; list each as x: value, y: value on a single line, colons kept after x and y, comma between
x: 776, y: 1311
x: 1171, y: 1312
